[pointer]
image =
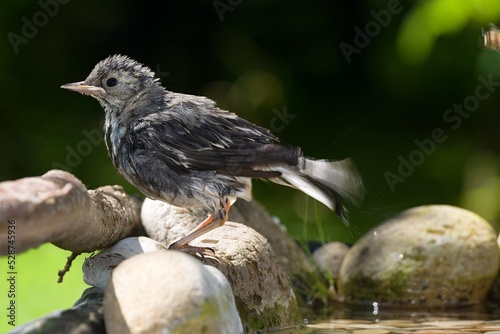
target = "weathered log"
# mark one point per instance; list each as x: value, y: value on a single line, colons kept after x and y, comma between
x: 56, y: 207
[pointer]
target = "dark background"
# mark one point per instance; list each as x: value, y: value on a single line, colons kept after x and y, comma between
x: 261, y: 59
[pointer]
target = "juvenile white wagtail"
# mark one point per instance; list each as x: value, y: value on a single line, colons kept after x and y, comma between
x: 184, y: 150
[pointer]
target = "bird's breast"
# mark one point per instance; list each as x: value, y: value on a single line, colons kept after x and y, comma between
x: 114, y: 135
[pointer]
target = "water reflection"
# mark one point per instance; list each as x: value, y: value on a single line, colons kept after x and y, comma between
x: 378, y: 319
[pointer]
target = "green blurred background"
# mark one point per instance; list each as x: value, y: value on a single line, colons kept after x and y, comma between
x: 263, y: 59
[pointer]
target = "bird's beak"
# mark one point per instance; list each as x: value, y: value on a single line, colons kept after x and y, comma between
x: 83, y: 88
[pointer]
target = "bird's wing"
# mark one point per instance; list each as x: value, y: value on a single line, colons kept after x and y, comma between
x: 196, y: 135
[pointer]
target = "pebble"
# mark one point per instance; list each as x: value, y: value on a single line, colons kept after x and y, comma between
x: 330, y: 256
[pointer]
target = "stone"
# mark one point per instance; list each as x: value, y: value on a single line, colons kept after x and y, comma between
x: 495, y: 288
x: 329, y: 257
x: 97, y: 269
x: 293, y: 258
x: 428, y: 257
x: 263, y: 293
x: 166, y: 223
x: 169, y: 292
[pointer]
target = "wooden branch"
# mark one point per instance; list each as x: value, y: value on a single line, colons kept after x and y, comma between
x: 56, y: 207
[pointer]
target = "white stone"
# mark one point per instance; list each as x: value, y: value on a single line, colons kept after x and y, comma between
x: 97, y: 269
x: 168, y: 223
x: 169, y: 292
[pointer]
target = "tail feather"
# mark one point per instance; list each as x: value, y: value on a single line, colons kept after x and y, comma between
x: 327, y: 182
x: 340, y: 176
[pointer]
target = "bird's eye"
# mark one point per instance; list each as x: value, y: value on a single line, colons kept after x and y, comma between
x: 111, y: 82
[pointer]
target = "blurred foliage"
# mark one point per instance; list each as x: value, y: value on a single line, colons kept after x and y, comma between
x: 429, y: 20
x: 263, y: 59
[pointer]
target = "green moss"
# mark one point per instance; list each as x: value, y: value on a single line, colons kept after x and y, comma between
x: 209, y: 310
x: 389, y: 285
x: 278, y: 316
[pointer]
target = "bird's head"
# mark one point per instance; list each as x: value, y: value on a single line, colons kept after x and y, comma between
x: 116, y: 81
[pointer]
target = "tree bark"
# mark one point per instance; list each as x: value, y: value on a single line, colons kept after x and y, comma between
x: 56, y: 207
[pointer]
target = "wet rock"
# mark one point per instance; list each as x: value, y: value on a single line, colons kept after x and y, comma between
x: 310, y: 284
x: 329, y: 257
x: 428, y: 257
x: 166, y: 223
x: 169, y: 292
x: 98, y: 268
x: 263, y: 293
x: 495, y: 288
x: 293, y: 258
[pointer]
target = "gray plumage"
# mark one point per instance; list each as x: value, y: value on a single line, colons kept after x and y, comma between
x: 184, y: 150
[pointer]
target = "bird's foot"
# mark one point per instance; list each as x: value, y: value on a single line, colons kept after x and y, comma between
x: 201, y: 253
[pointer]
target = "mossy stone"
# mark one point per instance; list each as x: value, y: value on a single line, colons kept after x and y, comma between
x: 428, y: 257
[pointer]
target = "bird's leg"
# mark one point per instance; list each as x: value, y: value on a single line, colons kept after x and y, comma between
x: 213, y: 221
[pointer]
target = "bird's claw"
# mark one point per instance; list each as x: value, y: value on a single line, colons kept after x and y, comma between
x: 201, y: 253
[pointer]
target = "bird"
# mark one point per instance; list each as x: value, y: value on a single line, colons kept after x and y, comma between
x: 491, y: 37
x: 184, y: 150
